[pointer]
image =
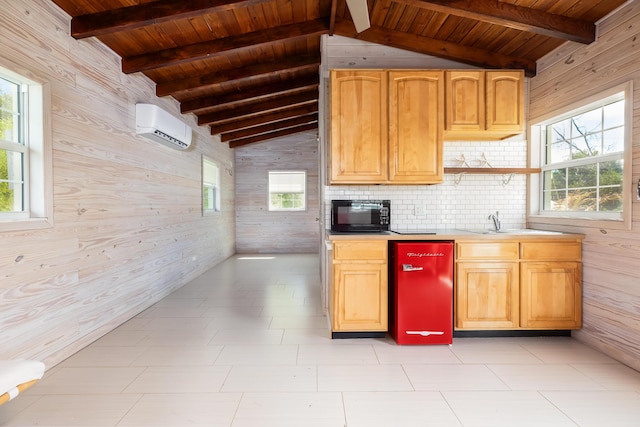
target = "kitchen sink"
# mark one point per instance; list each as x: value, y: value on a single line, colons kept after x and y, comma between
x: 515, y: 231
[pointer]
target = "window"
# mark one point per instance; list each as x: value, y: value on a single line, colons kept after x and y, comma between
x: 14, y: 154
x: 210, y: 186
x: 287, y: 190
x: 582, y: 157
x: 25, y: 154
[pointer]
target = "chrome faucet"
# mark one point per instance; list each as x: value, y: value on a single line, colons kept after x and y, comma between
x: 496, y: 220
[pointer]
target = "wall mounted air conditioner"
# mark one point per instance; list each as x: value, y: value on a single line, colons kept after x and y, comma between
x: 156, y: 124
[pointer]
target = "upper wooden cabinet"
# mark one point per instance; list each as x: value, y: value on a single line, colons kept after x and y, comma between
x: 416, y: 118
x: 505, y: 101
x: 465, y: 104
x: 359, y: 133
x: 386, y: 126
x: 484, y: 104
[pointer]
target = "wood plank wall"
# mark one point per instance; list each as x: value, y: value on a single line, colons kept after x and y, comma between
x: 261, y: 231
x: 128, y: 224
x: 611, y: 276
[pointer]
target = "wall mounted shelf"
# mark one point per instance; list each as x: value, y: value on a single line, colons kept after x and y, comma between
x: 494, y: 171
x: 459, y: 171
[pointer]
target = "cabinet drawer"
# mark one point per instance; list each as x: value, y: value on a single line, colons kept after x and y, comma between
x: 551, y: 250
x: 487, y: 250
x: 360, y: 250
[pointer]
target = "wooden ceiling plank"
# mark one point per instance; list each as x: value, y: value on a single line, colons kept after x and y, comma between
x: 409, y: 15
x: 175, y: 56
x: 259, y: 91
x: 420, y: 22
x: 259, y: 107
x: 142, y: 15
x: 393, y: 15
x: 299, y: 63
x: 269, y: 127
x: 455, y: 28
x: 379, y: 13
x: 513, y: 16
x: 271, y: 135
x: 244, y: 122
x: 467, y: 55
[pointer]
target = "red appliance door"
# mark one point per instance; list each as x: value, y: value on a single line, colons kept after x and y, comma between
x: 423, y: 293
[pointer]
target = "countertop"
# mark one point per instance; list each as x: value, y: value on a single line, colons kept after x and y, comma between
x: 458, y: 235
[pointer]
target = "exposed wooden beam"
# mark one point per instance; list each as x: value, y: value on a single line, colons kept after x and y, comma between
x: 244, y: 122
x: 212, y: 48
x: 264, y: 103
x: 332, y: 16
x: 269, y: 127
x: 255, y: 91
x: 301, y: 63
x: 283, y: 132
x: 141, y: 15
x: 428, y: 46
x: 257, y: 107
x: 513, y: 16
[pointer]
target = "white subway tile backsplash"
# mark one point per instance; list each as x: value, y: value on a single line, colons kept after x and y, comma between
x: 466, y: 204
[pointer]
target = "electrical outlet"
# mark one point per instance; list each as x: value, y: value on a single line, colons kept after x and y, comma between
x: 419, y: 210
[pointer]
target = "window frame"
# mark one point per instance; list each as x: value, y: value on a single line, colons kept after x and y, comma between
x: 217, y: 203
x: 304, y: 191
x: 537, y: 153
x: 20, y: 146
x: 37, y: 166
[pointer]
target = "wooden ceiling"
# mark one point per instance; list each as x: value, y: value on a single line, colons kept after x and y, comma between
x: 249, y: 69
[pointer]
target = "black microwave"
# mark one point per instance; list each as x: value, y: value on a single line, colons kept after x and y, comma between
x: 360, y: 215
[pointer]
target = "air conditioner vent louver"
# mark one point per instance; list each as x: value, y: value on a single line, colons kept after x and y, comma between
x: 170, y: 138
x: 160, y: 126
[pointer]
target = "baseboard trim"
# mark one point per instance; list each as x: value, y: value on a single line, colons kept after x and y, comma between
x: 343, y: 335
x: 512, y: 333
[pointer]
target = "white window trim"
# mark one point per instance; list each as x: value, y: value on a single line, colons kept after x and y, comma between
x: 217, y: 203
x: 303, y: 171
x: 535, y: 154
x: 40, y: 167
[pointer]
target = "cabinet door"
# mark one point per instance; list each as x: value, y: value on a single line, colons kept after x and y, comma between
x: 359, y: 142
x: 360, y: 297
x: 551, y: 295
x: 465, y: 100
x: 486, y: 295
x: 505, y: 101
x: 416, y: 120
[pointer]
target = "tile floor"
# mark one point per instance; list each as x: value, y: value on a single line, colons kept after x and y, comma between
x: 246, y: 345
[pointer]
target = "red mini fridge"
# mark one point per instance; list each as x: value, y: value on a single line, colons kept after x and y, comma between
x: 421, y: 292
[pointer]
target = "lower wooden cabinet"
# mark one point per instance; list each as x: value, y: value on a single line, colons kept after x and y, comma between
x: 505, y: 284
x: 551, y: 285
x: 487, y: 295
x: 550, y: 295
x: 537, y: 287
x: 359, y: 290
x: 487, y: 285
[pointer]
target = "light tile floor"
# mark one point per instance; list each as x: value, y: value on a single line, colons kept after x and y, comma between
x: 247, y: 345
